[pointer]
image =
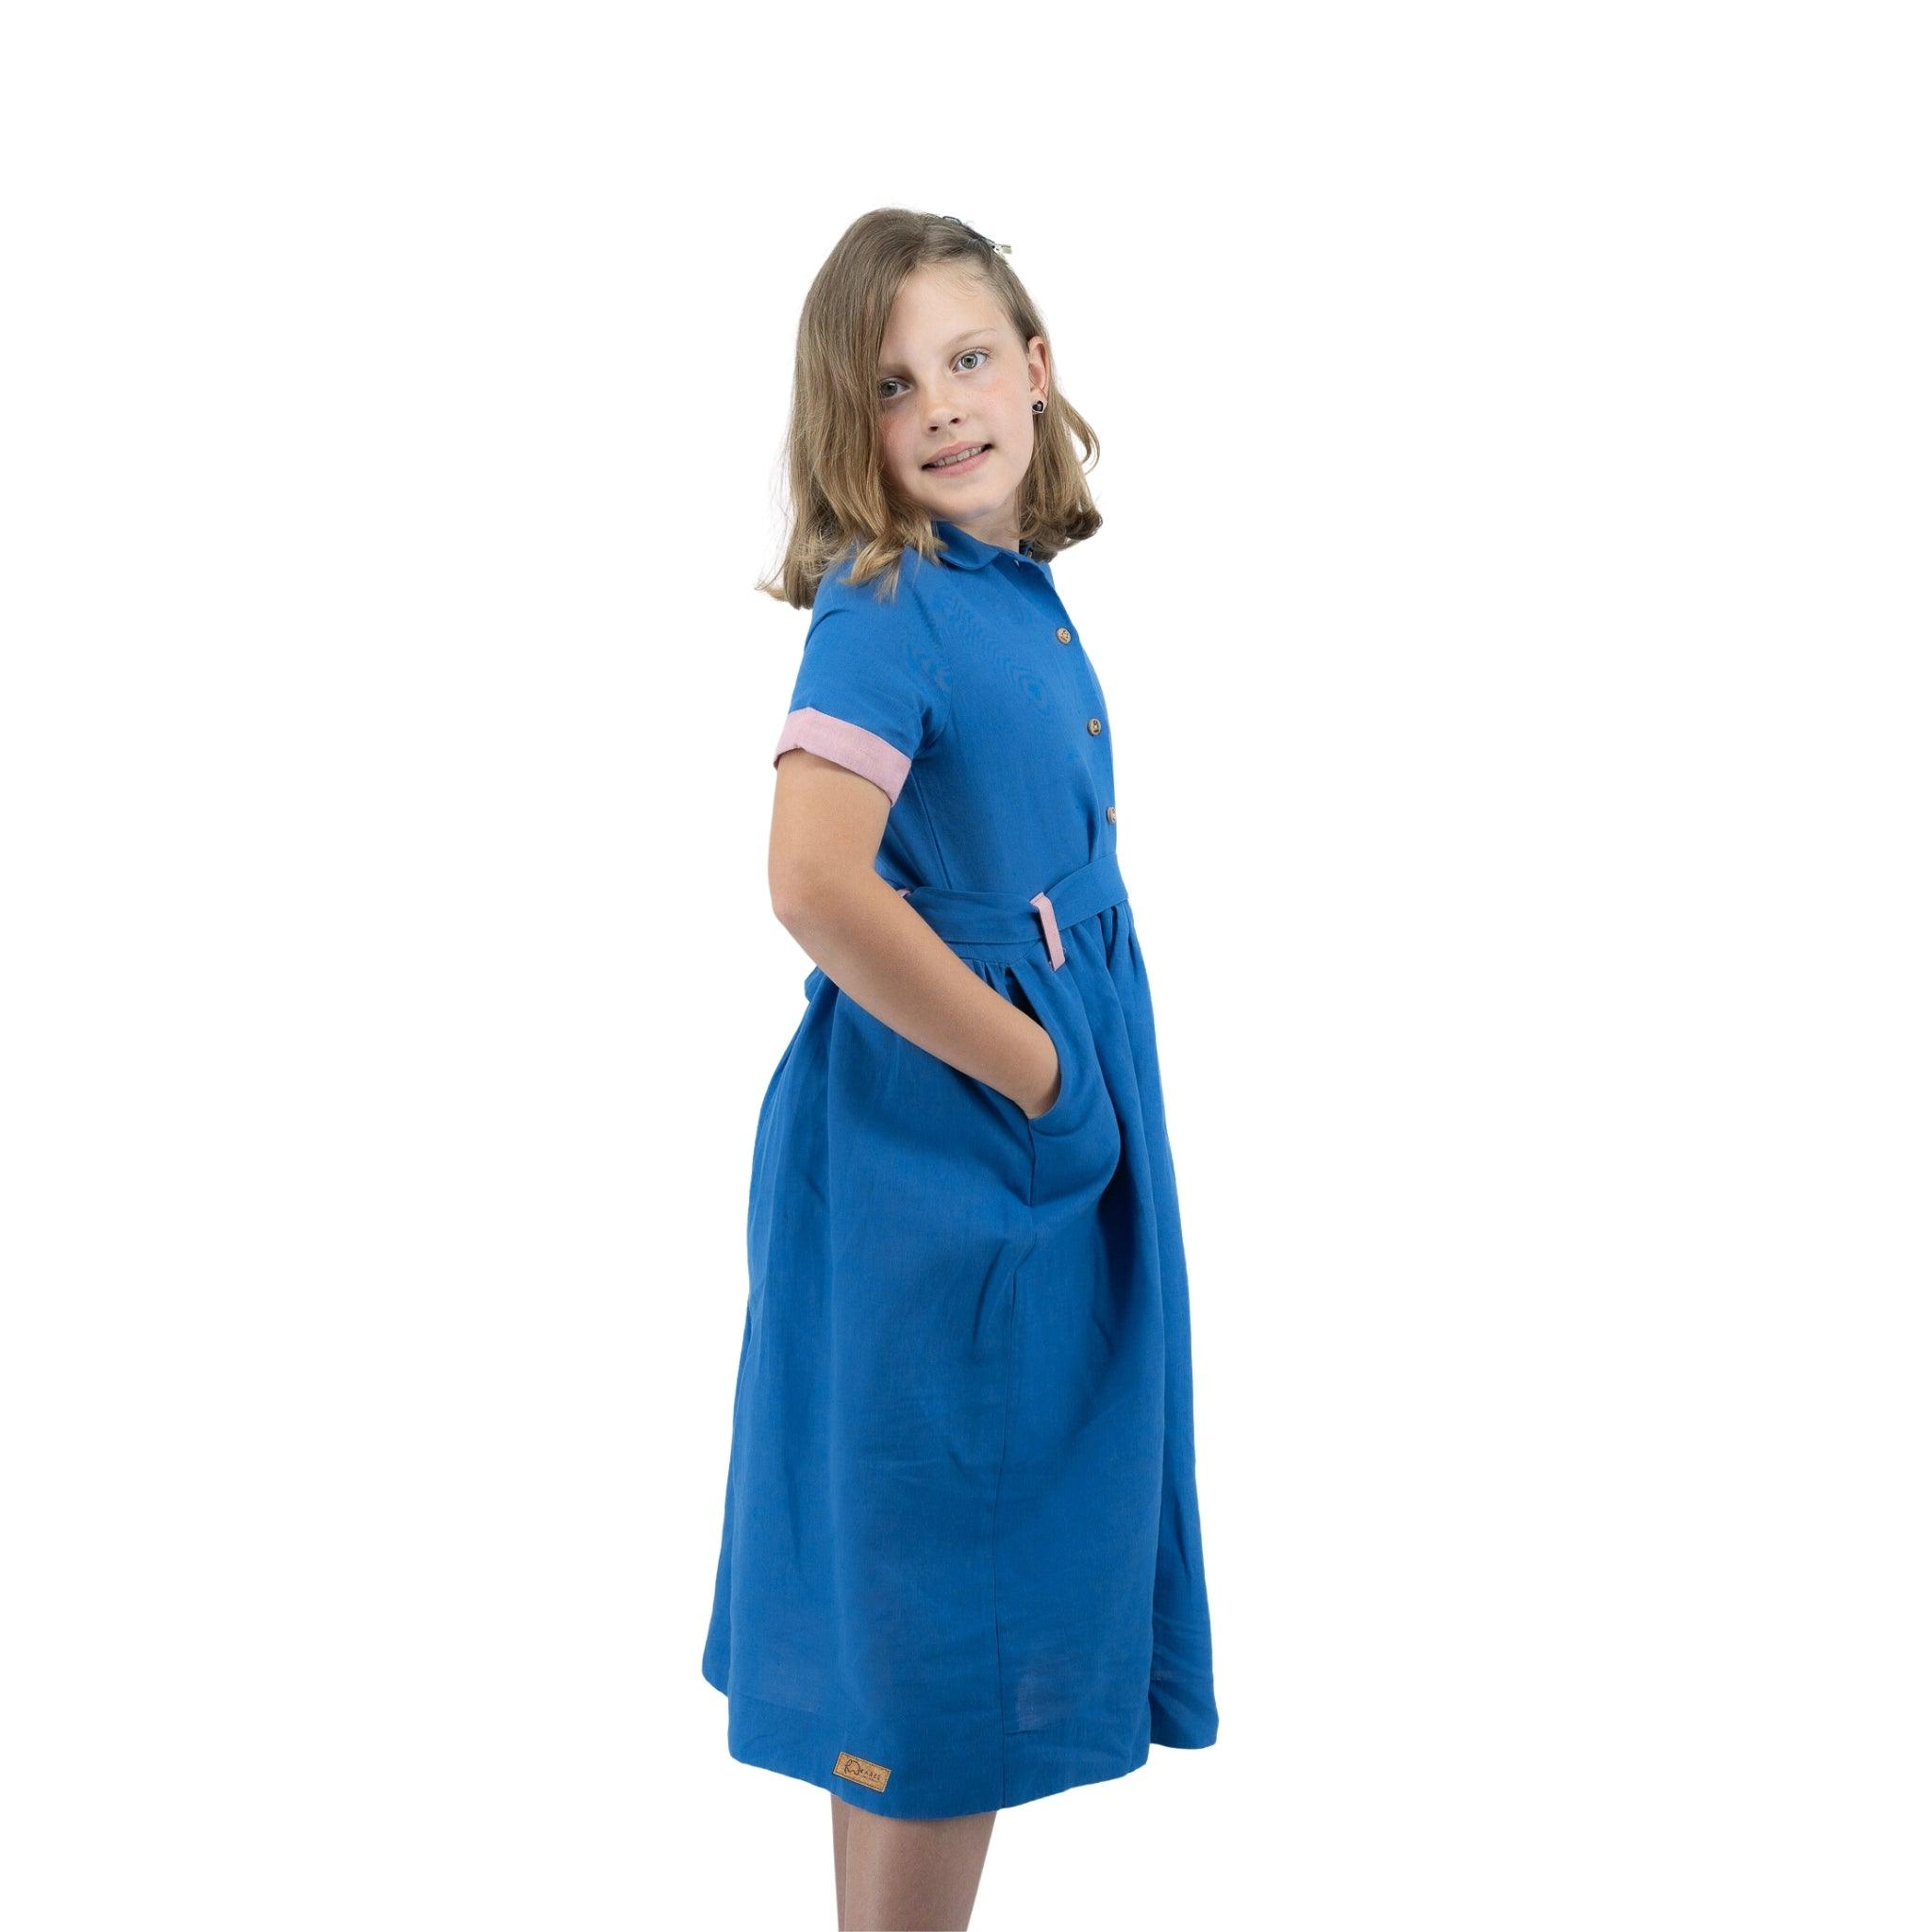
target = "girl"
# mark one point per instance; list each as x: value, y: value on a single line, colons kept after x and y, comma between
x: 961, y: 1564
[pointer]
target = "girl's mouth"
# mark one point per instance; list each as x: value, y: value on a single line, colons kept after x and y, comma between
x: 957, y: 466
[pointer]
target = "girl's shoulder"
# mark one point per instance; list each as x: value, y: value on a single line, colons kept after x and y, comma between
x: 907, y: 606
x: 911, y: 580
x: 872, y: 690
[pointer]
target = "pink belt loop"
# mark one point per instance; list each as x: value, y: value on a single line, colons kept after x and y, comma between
x: 1043, y: 905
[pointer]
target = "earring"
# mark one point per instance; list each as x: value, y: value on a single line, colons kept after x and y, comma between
x: 1040, y: 408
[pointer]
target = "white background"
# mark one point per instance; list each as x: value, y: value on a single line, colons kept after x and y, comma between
x: 1512, y: 605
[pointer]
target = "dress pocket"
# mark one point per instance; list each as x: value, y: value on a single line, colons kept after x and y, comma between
x: 1079, y: 1075
x: 1077, y: 1143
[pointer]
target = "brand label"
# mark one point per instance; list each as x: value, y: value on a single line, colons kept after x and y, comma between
x: 862, y: 1772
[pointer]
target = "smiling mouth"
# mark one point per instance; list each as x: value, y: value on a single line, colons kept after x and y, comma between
x: 965, y: 456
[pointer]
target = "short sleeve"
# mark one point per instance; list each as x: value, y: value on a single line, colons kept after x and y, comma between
x: 871, y: 691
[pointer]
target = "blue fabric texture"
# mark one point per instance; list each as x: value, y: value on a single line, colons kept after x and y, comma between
x: 961, y: 1562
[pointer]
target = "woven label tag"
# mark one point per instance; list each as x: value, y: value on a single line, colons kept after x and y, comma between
x: 860, y: 1771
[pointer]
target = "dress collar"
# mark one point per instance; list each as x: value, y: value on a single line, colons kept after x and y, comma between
x: 960, y: 547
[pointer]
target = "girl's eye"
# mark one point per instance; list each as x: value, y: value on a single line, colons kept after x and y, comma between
x: 963, y: 353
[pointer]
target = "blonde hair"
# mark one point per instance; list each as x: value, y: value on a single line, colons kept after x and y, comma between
x: 839, y: 496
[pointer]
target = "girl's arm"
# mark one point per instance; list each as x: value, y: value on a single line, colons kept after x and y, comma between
x: 826, y: 825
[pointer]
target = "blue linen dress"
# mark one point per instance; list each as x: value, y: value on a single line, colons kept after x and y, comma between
x: 961, y: 1559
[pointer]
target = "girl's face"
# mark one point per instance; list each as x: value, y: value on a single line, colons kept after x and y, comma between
x: 953, y: 375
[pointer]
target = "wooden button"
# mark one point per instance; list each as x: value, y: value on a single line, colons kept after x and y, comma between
x: 1093, y: 725
x: 1065, y: 636
x: 1110, y: 814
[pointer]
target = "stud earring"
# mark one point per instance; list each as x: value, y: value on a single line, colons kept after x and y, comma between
x: 1040, y: 408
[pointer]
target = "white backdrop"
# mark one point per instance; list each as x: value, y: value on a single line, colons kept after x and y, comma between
x: 1512, y: 605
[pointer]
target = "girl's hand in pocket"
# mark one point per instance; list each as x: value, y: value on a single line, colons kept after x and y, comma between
x: 1039, y: 1098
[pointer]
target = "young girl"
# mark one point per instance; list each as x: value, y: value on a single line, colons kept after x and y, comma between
x: 961, y: 1564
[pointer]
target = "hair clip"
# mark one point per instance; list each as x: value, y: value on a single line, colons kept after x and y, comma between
x: 1002, y: 248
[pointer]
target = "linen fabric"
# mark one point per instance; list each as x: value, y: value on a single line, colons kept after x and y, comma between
x: 961, y: 1559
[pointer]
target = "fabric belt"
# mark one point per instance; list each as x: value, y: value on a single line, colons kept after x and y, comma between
x: 1005, y: 919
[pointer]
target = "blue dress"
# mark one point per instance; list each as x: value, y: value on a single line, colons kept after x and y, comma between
x: 961, y: 1559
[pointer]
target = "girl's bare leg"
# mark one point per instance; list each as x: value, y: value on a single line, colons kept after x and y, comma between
x: 841, y: 1812
x: 906, y: 1875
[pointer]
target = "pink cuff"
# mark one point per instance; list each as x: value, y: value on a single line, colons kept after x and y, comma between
x: 851, y: 745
